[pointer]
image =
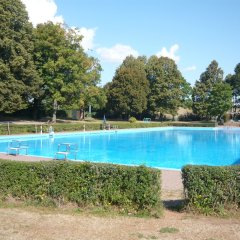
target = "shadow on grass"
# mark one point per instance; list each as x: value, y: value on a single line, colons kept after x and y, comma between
x: 177, y: 205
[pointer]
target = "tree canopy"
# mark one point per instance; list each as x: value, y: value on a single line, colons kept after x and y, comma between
x: 19, y: 80
x: 128, y: 91
x: 234, y: 81
x: 220, y: 99
x: 203, y: 88
x: 168, y: 88
x: 67, y: 71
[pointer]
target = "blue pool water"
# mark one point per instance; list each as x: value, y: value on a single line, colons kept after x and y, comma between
x: 159, y: 147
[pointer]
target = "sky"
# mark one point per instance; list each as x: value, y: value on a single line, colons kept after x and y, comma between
x: 191, y: 32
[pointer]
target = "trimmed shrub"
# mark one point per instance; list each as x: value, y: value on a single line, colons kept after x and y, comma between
x: 132, y: 119
x: 128, y: 189
x: 212, y: 189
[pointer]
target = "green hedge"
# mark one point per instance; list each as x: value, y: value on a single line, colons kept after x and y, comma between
x: 212, y: 189
x: 58, y: 127
x: 191, y: 124
x: 63, y: 127
x: 128, y: 189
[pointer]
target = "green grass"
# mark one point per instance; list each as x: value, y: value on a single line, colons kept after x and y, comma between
x: 153, y: 237
x: 169, y: 230
x: 140, y: 236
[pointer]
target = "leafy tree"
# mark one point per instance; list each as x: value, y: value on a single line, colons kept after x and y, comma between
x: 220, y: 99
x: 234, y: 81
x: 96, y: 97
x: 19, y: 81
x: 203, y: 88
x: 127, y: 93
x: 168, y: 89
x: 186, y: 99
x: 66, y: 70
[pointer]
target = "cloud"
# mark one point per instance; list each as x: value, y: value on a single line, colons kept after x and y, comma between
x: 41, y: 11
x: 88, y: 37
x: 171, y: 53
x: 190, y: 69
x: 117, y: 53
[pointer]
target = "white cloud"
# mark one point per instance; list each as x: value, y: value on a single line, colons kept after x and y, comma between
x: 117, y: 53
x: 190, y: 69
x: 88, y: 37
x: 171, y: 53
x: 41, y: 11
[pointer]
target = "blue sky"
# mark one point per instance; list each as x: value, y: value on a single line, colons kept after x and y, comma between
x: 192, y: 32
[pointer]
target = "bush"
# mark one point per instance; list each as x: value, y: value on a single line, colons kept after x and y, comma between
x: 212, y: 189
x: 189, y: 117
x: 129, y: 189
x: 132, y: 119
x: 226, y: 117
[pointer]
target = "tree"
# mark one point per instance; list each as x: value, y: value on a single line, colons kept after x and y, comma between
x: 186, y: 98
x: 220, y: 99
x: 234, y: 81
x: 203, y: 88
x: 19, y: 80
x: 168, y: 89
x: 127, y: 93
x: 66, y: 70
x: 95, y: 97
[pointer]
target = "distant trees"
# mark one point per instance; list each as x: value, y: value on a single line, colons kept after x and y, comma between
x: 211, y: 95
x: 19, y: 80
x: 46, y: 68
x: 151, y: 86
x: 128, y: 91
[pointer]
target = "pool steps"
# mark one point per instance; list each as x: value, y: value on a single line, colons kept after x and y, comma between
x: 16, y: 146
x: 65, y: 149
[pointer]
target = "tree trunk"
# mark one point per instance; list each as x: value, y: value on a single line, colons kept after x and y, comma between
x: 161, y: 117
x: 54, y: 117
x: 36, y: 114
x: 82, y: 114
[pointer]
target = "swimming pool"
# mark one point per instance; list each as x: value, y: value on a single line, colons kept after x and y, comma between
x: 170, y: 147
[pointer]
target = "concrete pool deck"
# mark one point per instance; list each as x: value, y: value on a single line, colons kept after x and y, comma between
x: 172, y: 187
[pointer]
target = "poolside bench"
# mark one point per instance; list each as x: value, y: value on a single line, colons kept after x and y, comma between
x: 147, y: 120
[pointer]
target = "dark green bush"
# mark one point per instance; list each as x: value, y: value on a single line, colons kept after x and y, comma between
x: 130, y: 189
x: 212, y: 189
